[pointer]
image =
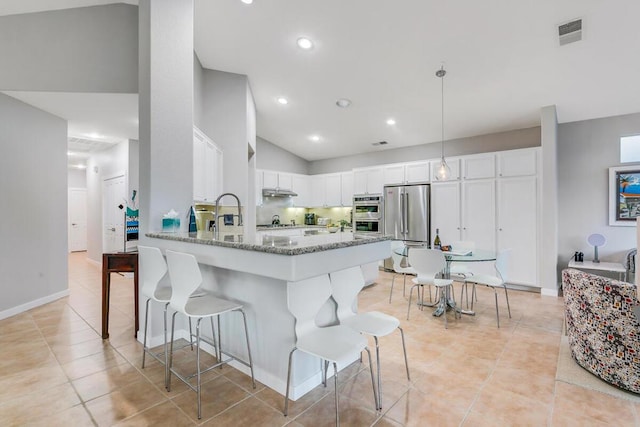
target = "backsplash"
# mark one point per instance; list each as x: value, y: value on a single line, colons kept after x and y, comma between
x: 282, y: 207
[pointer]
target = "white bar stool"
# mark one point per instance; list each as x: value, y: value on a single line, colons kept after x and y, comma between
x: 185, y: 279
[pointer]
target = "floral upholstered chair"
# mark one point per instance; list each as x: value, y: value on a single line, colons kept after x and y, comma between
x: 604, y: 334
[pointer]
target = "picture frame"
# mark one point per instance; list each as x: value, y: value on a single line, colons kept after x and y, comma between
x: 624, y: 195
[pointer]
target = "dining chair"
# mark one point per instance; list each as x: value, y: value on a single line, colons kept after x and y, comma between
x: 429, y: 263
x: 494, y: 282
x: 186, y: 277
x: 346, y: 285
x: 330, y: 344
x: 461, y: 271
x: 398, y: 268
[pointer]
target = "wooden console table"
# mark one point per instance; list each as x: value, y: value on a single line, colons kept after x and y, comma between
x: 120, y: 262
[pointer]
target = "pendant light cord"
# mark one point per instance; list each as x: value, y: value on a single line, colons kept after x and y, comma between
x: 442, y: 109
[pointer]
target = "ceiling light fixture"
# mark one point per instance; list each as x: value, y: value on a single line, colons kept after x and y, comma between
x: 247, y: 1
x: 314, y: 138
x: 443, y: 171
x: 70, y: 153
x: 391, y: 122
x: 343, y: 102
x: 305, y: 43
x: 282, y: 100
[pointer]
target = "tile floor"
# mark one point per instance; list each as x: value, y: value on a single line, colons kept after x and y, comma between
x: 56, y: 371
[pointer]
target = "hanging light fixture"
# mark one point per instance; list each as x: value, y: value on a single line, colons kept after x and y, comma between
x: 443, y: 171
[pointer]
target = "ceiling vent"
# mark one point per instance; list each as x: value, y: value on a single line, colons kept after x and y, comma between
x: 379, y: 143
x: 570, y: 32
x: 86, y: 145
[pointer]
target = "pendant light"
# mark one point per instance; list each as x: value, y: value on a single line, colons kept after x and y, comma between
x: 443, y: 171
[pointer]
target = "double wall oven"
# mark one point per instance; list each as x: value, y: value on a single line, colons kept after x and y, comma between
x: 368, y: 214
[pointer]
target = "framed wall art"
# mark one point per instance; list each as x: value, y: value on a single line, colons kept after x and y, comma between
x: 624, y: 195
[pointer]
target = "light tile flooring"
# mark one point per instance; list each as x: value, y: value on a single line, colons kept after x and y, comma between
x: 56, y: 371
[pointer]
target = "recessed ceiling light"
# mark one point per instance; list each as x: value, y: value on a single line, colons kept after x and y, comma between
x: 247, y: 1
x: 282, y: 100
x: 391, y: 122
x: 94, y: 135
x: 80, y: 166
x: 343, y: 102
x: 314, y: 138
x: 70, y: 153
x: 305, y: 43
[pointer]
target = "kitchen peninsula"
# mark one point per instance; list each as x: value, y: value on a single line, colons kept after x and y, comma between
x: 254, y: 269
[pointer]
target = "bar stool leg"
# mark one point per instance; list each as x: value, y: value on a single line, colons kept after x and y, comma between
x: 198, y: 381
x: 246, y: 334
x: 144, y: 340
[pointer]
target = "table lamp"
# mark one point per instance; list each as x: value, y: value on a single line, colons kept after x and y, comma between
x: 596, y: 240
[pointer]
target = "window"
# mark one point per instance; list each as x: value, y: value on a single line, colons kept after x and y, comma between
x: 630, y: 149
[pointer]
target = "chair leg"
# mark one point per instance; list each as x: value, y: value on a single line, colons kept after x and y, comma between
x: 286, y: 397
x: 507, y: 297
x: 393, y: 279
x: 166, y: 349
x: 495, y: 294
x: 379, y: 405
x: 246, y: 334
x: 198, y: 379
x: 335, y: 381
x: 173, y: 327
x: 219, y: 340
x: 443, y: 297
x: 213, y: 336
x: 404, y: 349
x: 404, y: 284
x: 190, y: 334
x: 373, y: 382
x: 144, y: 340
x: 474, y: 295
x: 410, y: 293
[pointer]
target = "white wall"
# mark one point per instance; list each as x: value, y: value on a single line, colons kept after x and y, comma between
x: 91, y: 49
x: 76, y: 178
x: 33, y: 202
x: 224, y: 120
x: 586, y: 151
x: 272, y: 157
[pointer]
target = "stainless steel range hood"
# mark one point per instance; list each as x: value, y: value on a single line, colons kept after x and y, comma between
x: 278, y: 192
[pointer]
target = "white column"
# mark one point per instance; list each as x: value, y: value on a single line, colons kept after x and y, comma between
x: 548, y: 265
x: 165, y: 110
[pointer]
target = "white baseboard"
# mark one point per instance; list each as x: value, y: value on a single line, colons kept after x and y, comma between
x: 546, y: 292
x: 33, y: 304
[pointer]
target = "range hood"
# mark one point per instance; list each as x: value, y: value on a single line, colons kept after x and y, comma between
x: 278, y: 192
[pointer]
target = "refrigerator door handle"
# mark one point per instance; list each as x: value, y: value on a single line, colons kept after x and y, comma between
x: 402, y: 213
x: 405, y: 213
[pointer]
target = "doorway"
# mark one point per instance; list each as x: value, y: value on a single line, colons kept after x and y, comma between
x: 77, y: 219
x: 113, y: 196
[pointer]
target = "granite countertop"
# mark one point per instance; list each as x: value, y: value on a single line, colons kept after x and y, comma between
x: 274, y: 244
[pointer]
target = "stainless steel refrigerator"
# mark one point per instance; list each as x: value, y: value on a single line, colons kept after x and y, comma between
x: 406, y: 212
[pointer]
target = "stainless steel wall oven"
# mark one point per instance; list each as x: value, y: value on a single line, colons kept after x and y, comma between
x: 368, y: 214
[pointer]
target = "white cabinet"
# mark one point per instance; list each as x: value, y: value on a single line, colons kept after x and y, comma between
x: 478, y: 167
x: 331, y: 190
x: 207, y: 168
x: 272, y: 179
x: 478, y: 213
x: 347, y: 188
x: 454, y: 164
x: 300, y: 186
x: 445, y: 211
x: 518, y: 162
x: 517, y: 220
x: 406, y: 173
x: 416, y: 172
x: 368, y: 181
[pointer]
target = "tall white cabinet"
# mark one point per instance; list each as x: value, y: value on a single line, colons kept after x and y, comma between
x: 207, y: 168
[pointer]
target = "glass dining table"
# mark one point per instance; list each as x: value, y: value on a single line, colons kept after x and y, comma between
x: 476, y: 255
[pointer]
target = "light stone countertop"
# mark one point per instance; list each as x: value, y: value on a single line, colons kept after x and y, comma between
x: 273, y: 243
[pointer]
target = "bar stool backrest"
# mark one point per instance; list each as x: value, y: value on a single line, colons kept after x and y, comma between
x: 304, y: 300
x: 185, y: 278
x: 152, y: 268
x: 346, y: 284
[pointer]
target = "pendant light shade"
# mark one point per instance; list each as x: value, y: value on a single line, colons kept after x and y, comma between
x: 443, y: 171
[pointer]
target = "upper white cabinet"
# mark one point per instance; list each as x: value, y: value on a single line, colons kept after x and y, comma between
x: 445, y: 211
x: 405, y: 173
x: 331, y: 190
x: 272, y: 179
x: 522, y: 162
x: 368, y: 181
x: 347, y: 188
x: 478, y: 167
x: 207, y: 168
x: 454, y: 164
x: 300, y: 185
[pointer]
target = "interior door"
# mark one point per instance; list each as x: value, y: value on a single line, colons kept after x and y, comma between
x: 77, y: 222
x: 113, y: 195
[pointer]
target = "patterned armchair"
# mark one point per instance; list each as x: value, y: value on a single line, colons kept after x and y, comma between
x: 604, y: 334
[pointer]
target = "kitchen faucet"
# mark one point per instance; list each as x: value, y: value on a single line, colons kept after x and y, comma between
x: 217, y: 225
